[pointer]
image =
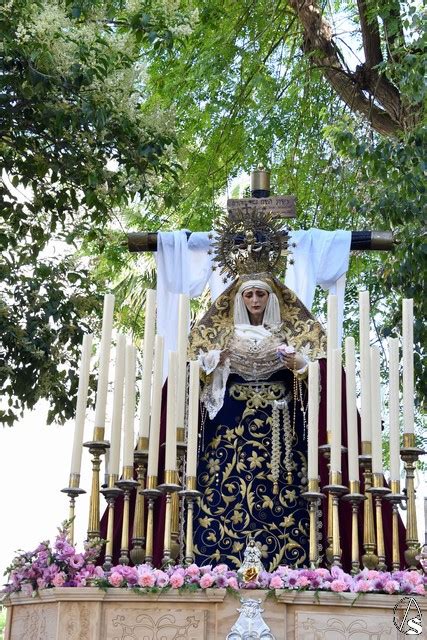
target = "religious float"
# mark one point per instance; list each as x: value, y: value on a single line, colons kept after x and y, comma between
x: 251, y: 504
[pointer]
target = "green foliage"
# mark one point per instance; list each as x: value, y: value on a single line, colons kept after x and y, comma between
x: 136, y: 116
x: 77, y: 141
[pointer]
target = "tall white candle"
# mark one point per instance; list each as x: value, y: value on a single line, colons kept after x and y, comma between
x: 117, y: 416
x: 377, y: 463
x: 408, y: 364
x: 147, y: 363
x: 129, y: 411
x: 352, y: 439
x: 365, y: 366
x: 183, y: 324
x: 393, y: 408
x: 76, y: 457
x: 153, y: 442
x: 193, y: 418
x: 332, y: 343
x: 170, y: 454
x: 336, y: 412
x: 104, y: 361
x: 313, y: 420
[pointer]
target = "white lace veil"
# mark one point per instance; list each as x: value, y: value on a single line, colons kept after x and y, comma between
x: 272, y: 310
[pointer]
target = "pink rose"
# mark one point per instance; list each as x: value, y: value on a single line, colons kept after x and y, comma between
x: 146, y: 579
x: 363, y: 586
x: 192, y: 570
x: 420, y: 589
x: 232, y: 583
x: 162, y: 578
x: 302, y: 581
x: 276, y: 582
x: 413, y: 577
x: 206, y: 581
x: 372, y: 574
x: 339, y: 585
x: 115, y: 579
x: 58, y: 580
x: 221, y: 568
x: 391, y: 586
x: 176, y: 580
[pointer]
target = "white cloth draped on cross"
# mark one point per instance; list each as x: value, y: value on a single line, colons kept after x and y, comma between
x: 184, y: 266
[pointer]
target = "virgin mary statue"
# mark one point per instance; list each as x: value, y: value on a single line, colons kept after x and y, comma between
x: 254, y: 345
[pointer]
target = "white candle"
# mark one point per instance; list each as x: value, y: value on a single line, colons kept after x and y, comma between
x: 129, y: 411
x: 104, y: 361
x: 377, y: 463
x: 393, y: 408
x: 183, y: 324
x: 76, y: 458
x: 336, y: 412
x: 193, y: 418
x: 147, y: 363
x: 313, y: 420
x: 332, y: 343
x: 408, y: 364
x: 117, y: 416
x: 170, y: 454
x: 352, y: 439
x: 365, y: 366
x: 153, y: 443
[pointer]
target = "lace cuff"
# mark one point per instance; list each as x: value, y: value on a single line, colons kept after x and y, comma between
x: 213, y: 393
x: 209, y: 360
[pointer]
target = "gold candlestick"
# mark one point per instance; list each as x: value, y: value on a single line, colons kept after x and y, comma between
x: 127, y: 483
x: 111, y: 493
x: 137, y: 553
x: 169, y: 487
x: 191, y: 495
x: 97, y: 447
x: 326, y: 450
x: 396, y: 498
x: 378, y: 490
x: 369, y: 558
x: 336, y: 489
x: 151, y: 493
x: 313, y: 497
x: 355, y: 498
x: 73, y: 491
x: 410, y: 454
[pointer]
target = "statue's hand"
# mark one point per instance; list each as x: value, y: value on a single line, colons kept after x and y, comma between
x: 291, y: 359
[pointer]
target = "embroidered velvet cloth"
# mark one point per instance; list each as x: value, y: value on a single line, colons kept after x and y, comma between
x: 251, y: 473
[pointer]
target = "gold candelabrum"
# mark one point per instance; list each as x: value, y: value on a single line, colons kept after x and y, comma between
x: 314, y: 498
x: 395, y: 497
x: 325, y: 449
x: 111, y: 493
x: 137, y: 553
x: 369, y: 558
x: 73, y: 491
x: 97, y: 448
x: 127, y: 483
x: 410, y: 454
x: 336, y: 489
x: 151, y: 493
x: 169, y: 488
x: 355, y: 498
x: 190, y: 495
x: 378, y: 490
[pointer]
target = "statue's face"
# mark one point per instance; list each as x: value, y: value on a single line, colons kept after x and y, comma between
x: 255, y: 302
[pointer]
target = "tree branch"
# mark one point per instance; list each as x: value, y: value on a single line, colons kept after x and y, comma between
x: 370, y: 36
x: 352, y: 87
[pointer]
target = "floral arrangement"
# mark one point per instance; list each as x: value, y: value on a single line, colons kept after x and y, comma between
x: 146, y: 578
x: 54, y: 566
x: 61, y: 565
